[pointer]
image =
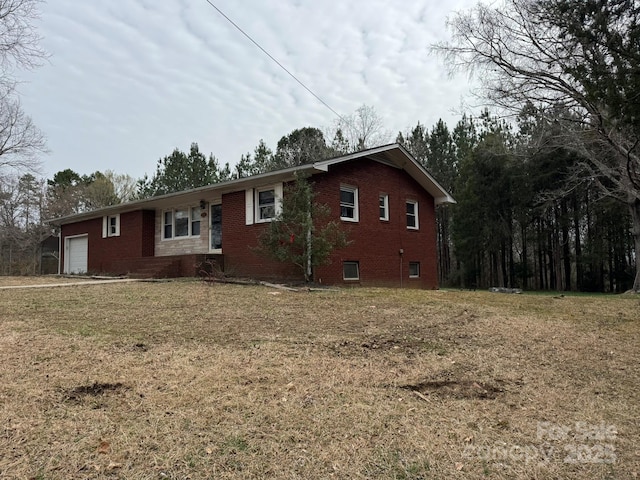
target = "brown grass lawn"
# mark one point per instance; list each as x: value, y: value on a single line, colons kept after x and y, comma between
x: 184, y: 380
x: 40, y: 280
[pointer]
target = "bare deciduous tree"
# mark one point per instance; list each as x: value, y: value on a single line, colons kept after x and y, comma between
x: 21, y: 226
x: 362, y: 129
x: 124, y: 185
x: 578, y: 56
x: 20, y: 139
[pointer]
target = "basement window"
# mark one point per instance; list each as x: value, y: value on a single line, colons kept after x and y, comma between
x: 351, y: 270
x: 414, y: 269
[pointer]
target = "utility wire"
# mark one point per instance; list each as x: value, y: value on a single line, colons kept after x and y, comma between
x: 272, y: 58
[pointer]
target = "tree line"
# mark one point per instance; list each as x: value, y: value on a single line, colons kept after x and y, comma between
x: 576, y: 65
x: 522, y: 218
x: 525, y: 216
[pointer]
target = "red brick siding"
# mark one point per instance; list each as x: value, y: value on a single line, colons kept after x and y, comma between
x: 136, y: 240
x: 148, y: 233
x: 376, y: 243
x: 239, y: 242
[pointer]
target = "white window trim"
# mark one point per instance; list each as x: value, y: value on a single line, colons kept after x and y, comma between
x: 277, y: 202
x: 164, y: 214
x: 106, y: 227
x: 248, y: 204
x: 356, y: 212
x: 197, y: 212
x: 173, y: 223
x: 417, y: 226
x: 414, y: 276
x: 351, y: 279
x: 252, y: 207
x: 257, y: 204
x: 386, y: 206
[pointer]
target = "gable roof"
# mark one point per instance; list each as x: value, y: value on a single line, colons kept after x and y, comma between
x: 393, y: 154
x: 396, y: 155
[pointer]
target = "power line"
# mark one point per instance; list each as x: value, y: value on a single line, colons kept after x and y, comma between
x: 272, y: 58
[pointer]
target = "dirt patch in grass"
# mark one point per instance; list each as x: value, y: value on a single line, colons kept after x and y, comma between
x: 77, y: 394
x: 185, y: 380
x: 460, y: 389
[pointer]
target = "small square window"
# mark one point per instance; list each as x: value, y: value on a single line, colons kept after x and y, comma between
x: 414, y: 269
x: 412, y: 215
x: 350, y: 270
x: 384, y: 207
x: 349, y: 204
x: 111, y: 226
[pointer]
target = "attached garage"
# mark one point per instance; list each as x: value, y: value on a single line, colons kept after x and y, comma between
x: 76, y: 253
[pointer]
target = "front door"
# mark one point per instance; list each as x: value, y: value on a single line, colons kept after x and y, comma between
x: 215, y: 229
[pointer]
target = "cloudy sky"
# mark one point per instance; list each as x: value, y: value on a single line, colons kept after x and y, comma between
x: 129, y: 81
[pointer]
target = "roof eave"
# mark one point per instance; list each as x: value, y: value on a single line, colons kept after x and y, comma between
x: 404, y: 161
x: 223, y: 187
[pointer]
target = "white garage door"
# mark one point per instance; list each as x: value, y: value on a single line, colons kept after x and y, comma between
x: 77, y: 250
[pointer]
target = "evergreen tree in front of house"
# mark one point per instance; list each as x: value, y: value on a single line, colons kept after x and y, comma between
x: 301, y: 233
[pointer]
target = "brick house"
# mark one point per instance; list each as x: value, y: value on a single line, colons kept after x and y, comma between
x: 382, y: 196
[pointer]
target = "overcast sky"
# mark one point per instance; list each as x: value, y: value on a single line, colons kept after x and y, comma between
x: 129, y: 81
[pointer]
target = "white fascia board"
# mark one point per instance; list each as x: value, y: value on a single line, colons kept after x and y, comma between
x: 324, y: 164
x: 186, y: 196
x: 407, y: 163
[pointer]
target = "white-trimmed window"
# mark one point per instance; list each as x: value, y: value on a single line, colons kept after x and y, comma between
x: 111, y: 226
x: 180, y: 223
x: 351, y: 270
x: 384, y: 206
x: 414, y: 269
x: 195, y: 222
x: 412, y: 215
x: 266, y: 204
x: 263, y: 204
x: 168, y: 225
x: 348, y: 203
